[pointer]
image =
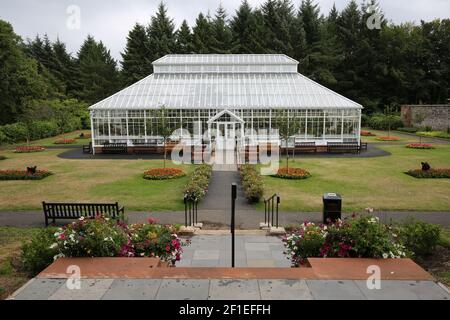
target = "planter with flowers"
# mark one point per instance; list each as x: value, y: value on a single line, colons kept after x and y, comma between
x: 292, y: 173
x: 367, y: 134
x: 65, y: 141
x: 358, y: 237
x: 420, y: 146
x: 163, y: 174
x: 103, y: 237
x: 439, y: 173
x: 24, y: 174
x: 388, y: 139
x: 29, y: 149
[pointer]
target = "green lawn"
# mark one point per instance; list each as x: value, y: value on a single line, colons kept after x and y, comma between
x: 378, y: 183
x: 90, y: 181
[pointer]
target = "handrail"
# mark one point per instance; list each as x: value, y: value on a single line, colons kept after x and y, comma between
x: 190, y: 212
x: 271, y: 210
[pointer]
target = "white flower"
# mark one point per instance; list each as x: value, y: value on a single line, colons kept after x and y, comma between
x: 59, y: 255
x: 53, y: 246
x: 385, y: 256
x: 81, y: 218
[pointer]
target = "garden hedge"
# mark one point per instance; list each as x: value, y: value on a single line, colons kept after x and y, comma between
x: 252, y: 183
x: 198, y: 183
x: 430, y: 174
x: 23, y: 175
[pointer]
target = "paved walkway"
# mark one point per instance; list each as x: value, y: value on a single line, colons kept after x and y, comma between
x: 251, y: 251
x: 230, y: 289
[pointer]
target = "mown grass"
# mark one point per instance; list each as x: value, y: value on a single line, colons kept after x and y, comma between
x: 90, y: 181
x: 378, y: 183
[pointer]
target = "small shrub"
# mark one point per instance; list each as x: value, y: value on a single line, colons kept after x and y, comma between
x: 430, y: 174
x: 420, y: 146
x: 29, y: 149
x: 292, y: 173
x: 163, y: 174
x: 64, y: 141
x: 420, y: 237
x: 38, y: 253
x: 2, y: 157
x: 23, y: 175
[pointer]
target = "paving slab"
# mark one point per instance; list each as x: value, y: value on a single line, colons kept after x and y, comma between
x: 91, y: 289
x: 183, y: 290
x: 257, y: 246
x: 261, y: 263
x: 335, y: 290
x: 404, y: 290
x: 206, y: 255
x: 234, y: 290
x: 132, y: 289
x: 38, y: 289
x: 284, y: 290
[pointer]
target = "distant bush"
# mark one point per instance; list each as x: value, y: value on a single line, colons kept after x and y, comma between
x: 381, y: 122
x: 408, y: 130
x: 65, y: 141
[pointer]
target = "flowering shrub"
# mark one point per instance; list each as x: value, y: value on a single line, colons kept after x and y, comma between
x: 163, y: 174
x: 104, y: 237
x: 28, y: 149
x: 430, y: 174
x: 292, y: 173
x: 64, y: 141
x: 198, y: 183
x: 388, y: 139
x: 420, y: 146
x: 23, y: 175
x: 367, y: 134
x: 252, y: 183
x: 358, y: 237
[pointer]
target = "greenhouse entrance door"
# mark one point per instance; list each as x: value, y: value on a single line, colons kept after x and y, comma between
x: 226, y: 136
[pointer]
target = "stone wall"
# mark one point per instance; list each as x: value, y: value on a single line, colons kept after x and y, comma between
x: 435, y: 116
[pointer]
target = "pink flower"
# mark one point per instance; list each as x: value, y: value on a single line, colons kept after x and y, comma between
x: 168, y: 248
x: 62, y: 236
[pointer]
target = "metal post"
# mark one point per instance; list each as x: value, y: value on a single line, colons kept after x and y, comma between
x: 233, y: 212
x: 278, y: 203
x: 273, y: 203
x: 185, y: 212
x: 265, y: 212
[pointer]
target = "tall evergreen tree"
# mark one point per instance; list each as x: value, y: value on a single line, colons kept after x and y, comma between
x: 183, y: 39
x: 202, y: 35
x: 276, y: 17
x: 97, y: 72
x: 248, y: 30
x: 136, y: 63
x: 64, y: 67
x: 222, y: 38
x: 309, y: 14
x: 161, y: 32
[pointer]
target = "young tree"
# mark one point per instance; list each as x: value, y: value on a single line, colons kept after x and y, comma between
x: 287, y: 126
x: 164, y: 128
x: 390, y: 112
x: 419, y: 118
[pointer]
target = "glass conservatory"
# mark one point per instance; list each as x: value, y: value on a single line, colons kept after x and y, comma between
x: 224, y: 98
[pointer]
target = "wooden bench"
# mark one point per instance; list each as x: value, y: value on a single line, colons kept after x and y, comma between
x: 145, y: 148
x: 343, y: 148
x: 305, y: 147
x: 87, y: 148
x: 72, y: 211
x: 115, y: 148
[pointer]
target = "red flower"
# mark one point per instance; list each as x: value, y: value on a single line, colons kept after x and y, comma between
x: 168, y: 248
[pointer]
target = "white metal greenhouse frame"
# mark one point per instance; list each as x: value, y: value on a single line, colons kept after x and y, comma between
x: 237, y: 95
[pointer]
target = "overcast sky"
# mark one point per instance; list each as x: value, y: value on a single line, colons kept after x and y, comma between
x: 110, y: 20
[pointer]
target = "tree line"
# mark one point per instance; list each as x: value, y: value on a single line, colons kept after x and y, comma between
x: 396, y: 64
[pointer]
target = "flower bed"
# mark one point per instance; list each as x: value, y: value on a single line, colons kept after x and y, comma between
x: 163, y: 174
x: 103, y: 237
x: 292, y: 173
x: 2, y: 157
x: 443, y: 173
x: 85, y: 136
x: 198, y: 183
x: 388, y: 139
x: 29, y: 149
x: 420, y: 146
x: 252, y: 183
x: 358, y: 237
x: 65, y: 141
x: 23, y: 175
x: 367, y: 134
